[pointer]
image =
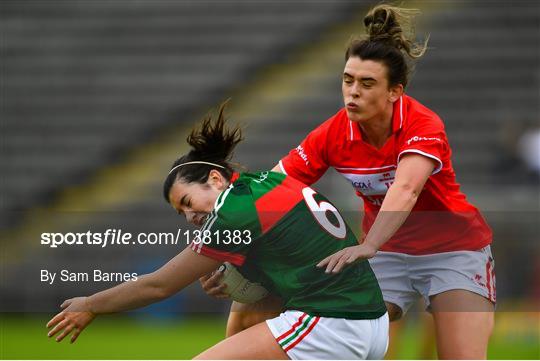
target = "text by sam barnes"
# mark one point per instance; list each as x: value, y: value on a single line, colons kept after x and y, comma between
x: 93, y: 276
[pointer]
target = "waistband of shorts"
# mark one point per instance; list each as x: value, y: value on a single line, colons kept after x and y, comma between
x: 365, y: 315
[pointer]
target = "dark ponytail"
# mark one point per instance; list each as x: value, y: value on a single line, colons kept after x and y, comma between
x: 389, y: 34
x: 211, y: 142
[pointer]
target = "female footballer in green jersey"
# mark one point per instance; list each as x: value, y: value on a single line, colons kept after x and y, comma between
x: 275, y: 230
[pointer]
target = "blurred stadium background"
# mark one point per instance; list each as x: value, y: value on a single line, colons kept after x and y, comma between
x: 97, y: 97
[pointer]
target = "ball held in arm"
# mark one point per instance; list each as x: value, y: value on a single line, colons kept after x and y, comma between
x: 239, y: 288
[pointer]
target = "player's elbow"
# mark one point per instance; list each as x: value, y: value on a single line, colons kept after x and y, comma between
x: 154, y: 288
x: 408, y: 191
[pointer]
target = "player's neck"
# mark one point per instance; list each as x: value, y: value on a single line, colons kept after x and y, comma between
x: 376, y: 131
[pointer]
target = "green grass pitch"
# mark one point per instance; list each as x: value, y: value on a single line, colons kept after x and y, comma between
x: 122, y: 337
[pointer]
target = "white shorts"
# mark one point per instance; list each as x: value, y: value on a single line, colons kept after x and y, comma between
x: 305, y: 337
x: 403, y: 277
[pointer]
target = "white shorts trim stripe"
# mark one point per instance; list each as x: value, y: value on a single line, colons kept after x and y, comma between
x: 291, y: 338
x: 307, y: 337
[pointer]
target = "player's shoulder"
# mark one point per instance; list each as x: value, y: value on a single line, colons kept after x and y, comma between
x: 237, y: 195
x: 338, y: 120
x: 248, y: 187
x: 235, y: 206
x: 257, y: 184
x: 420, y: 115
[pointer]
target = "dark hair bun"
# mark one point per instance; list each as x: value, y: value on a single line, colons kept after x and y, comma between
x: 386, y: 23
x: 380, y: 23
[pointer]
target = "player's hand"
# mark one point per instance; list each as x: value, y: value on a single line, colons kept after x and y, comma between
x: 346, y: 256
x: 75, y: 317
x: 210, y: 284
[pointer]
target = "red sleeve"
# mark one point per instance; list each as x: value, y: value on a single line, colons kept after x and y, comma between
x: 426, y: 137
x: 219, y: 255
x: 308, y: 162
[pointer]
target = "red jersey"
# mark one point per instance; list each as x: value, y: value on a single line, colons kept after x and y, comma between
x: 441, y: 221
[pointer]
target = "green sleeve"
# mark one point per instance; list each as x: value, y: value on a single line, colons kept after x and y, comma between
x: 231, y: 229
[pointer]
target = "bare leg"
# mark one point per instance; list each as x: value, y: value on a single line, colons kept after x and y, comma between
x: 396, y: 328
x: 394, y: 311
x: 463, y: 323
x: 243, y: 316
x: 256, y: 342
x: 427, y: 340
x: 394, y: 314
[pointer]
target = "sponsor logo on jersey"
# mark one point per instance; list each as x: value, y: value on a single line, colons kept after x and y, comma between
x: 262, y: 177
x: 371, y: 184
x: 418, y: 139
x: 362, y: 185
x: 302, y: 154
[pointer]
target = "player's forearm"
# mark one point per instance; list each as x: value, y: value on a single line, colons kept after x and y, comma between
x: 175, y: 275
x: 396, y: 207
x: 127, y: 296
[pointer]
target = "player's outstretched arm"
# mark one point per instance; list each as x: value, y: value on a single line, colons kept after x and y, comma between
x: 412, y: 173
x: 178, y: 273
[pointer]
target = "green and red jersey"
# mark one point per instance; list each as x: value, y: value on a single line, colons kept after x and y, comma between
x: 276, y: 229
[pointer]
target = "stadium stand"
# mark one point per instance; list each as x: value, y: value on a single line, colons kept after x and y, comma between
x: 84, y: 81
x: 97, y: 98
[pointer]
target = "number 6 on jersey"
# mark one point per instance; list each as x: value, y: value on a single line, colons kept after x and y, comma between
x: 319, y: 212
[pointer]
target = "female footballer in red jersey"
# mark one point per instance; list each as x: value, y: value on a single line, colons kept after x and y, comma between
x: 422, y: 236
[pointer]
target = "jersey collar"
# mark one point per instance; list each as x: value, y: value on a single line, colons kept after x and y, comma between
x: 398, y: 115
